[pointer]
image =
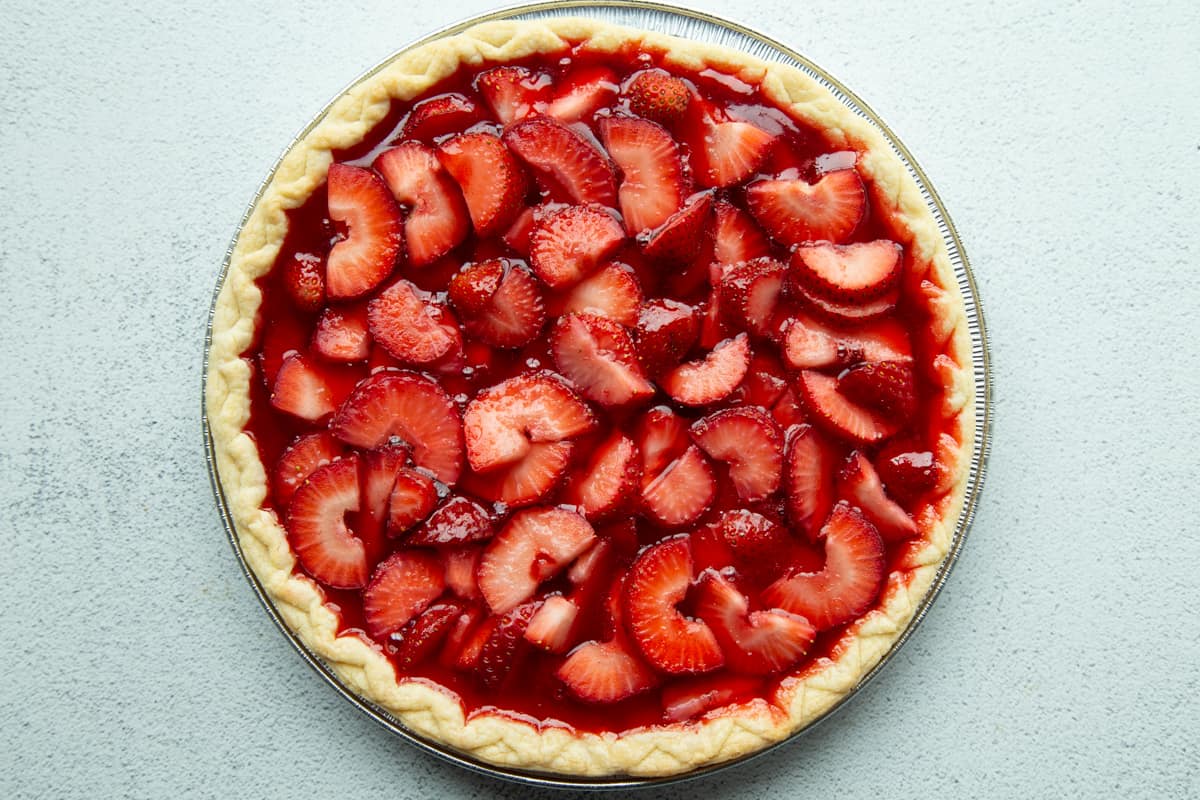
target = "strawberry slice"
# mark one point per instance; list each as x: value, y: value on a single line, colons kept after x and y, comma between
x: 908, y: 469
x: 459, y: 521
x: 570, y: 243
x: 413, y: 498
x: 503, y: 422
x: 566, y: 165
x: 317, y: 529
x: 610, y: 480
x: 421, y: 637
x: 437, y: 216
x: 532, y: 547
x: 361, y: 202
x: 493, y: 182
x: 499, y: 302
x: 597, y: 356
x: 712, y: 378
x: 848, y: 273
x: 886, y: 386
x: 679, y: 238
x: 666, y: 331
x: 377, y: 479
x: 304, y: 282
x: 550, y: 627
x: 301, y: 458
x: 605, y: 672
x: 808, y: 479
x: 750, y: 442
x: 838, y: 414
x: 612, y: 291
x: 505, y: 649
x: 342, y: 335
x: 306, y: 389
x: 684, y: 700
x: 807, y: 344
x: 787, y: 411
x: 287, y: 337
x: 465, y: 642
x: 793, y: 211
x: 736, y: 237
x: 725, y: 152
x: 682, y: 492
x: 657, y: 95
x: 527, y: 481
x: 859, y: 483
x: 847, y: 314
x: 764, y: 383
x: 461, y: 564
x: 847, y: 585
x: 754, y: 642
x: 652, y: 183
x: 513, y: 93
x: 582, y: 92
x: 714, y: 327
x: 409, y: 406
x: 518, y: 234
x: 750, y: 292
x: 661, y: 436
x: 757, y: 545
x: 438, y: 116
x: 657, y: 582
x: 402, y: 586
x: 411, y: 325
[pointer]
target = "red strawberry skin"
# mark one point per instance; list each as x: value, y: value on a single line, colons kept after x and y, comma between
x: 359, y: 200
x: 433, y: 118
x: 666, y: 331
x: 422, y: 637
x: 679, y: 238
x: 513, y: 93
x: 886, y: 386
x: 459, y: 521
x: 659, y: 96
x: 304, y: 281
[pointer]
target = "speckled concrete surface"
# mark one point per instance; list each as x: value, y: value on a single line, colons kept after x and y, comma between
x: 1061, y: 658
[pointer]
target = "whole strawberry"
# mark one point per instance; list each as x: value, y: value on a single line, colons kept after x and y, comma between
x: 658, y: 96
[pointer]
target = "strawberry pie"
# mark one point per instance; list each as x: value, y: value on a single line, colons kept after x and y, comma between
x: 594, y: 401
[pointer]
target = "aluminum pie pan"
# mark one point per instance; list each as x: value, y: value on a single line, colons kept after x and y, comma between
x: 699, y: 26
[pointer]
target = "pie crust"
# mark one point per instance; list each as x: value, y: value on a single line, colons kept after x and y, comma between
x: 432, y: 712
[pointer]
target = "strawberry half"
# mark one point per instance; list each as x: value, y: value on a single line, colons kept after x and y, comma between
x: 570, y: 243
x: 550, y: 627
x: 652, y: 183
x: 750, y: 442
x: 438, y: 116
x: 411, y: 407
x: 342, y: 334
x: 610, y: 480
x: 848, y: 584
x: 402, y: 586
x: 361, y: 202
x: 307, y: 389
x: 887, y: 386
x: 566, y: 165
x: 605, y: 672
x: 582, y: 92
x: 712, y: 378
x: 661, y: 436
x: 505, y: 648
x: 848, y: 273
x: 682, y: 492
x: 513, y: 93
x: 793, y: 211
x: 317, y: 529
x: 754, y: 642
x: 736, y: 237
x: 859, y: 483
x: 493, y: 182
x: 502, y: 422
x: 666, y: 331
x: 726, y: 152
x: 532, y: 547
x: 838, y: 414
x: 436, y: 220
x: 304, y: 282
x: 657, y: 582
x: 499, y: 302
x: 659, y: 96
x: 612, y: 291
x: 411, y: 325
x: 597, y: 356
x: 413, y: 498
x: 750, y: 292
x: 757, y: 545
x: 421, y: 637
x: 377, y: 478
x: 679, y: 238
x: 459, y: 521
x: 908, y: 469
x: 301, y: 458
x: 808, y: 479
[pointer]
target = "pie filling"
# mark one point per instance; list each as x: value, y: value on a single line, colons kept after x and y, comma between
x: 597, y: 395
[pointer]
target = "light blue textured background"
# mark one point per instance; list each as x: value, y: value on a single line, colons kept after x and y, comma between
x: 1061, y: 659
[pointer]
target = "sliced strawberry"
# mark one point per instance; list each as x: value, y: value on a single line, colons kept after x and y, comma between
x: 588, y: 566
x: 838, y: 414
x: 533, y: 546
x: 301, y: 458
x: 754, y: 642
x: 317, y: 528
x: 438, y: 116
x: 506, y: 647
x: 750, y: 292
x: 566, y: 165
x: 288, y: 336
x: 550, y: 627
x: 736, y: 237
x: 436, y: 220
x: 421, y: 637
x: 757, y: 545
x: 658, y: 581
x: 848, y: 273
x: 597, y: 356
x: 685, y: 700
x: 377, y: 479
x: 341, y: 334
x: 808, y: 344
x: 886, y: 386
x: 849, y: 582
x: 605, y: 672
x: 305, y: 389
x: 513, y: 93
x: 907, y: 468
x: 859, y: 483
x: 401, y: 588
x: 304, y: 282
x: 411, y: 407
x: 502, y: 422
x: 657, y: 95
x: 493, y: 182
x: 787, y: 411
x: 725, y: 152
x: 714, y: 327
x: 458, y: 521
x: 808, y: 479
x: 682, y: 492
x: 461, y: 565
x: 413, y: 498
x: 361, y: 202
x: 652, y: 183
x: 661, y: 436
x: 612, y: 291
x: 712, y: 378
x: 793, y: 211
x: 610, y: 481
x: 678, y: 239
x: 499, y: 302
x: 528, y: 480
x: 847, y: 314
x: 569, y: 244
x: 411, y: 325
x: 764, y: 383
x: 517, y: 237
x: 466, y: 640
x: 582, y: 92
x: 750, y: 442
x: 666, y: 331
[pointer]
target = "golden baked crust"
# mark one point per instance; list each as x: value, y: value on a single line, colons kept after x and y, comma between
x: 434, y: 713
